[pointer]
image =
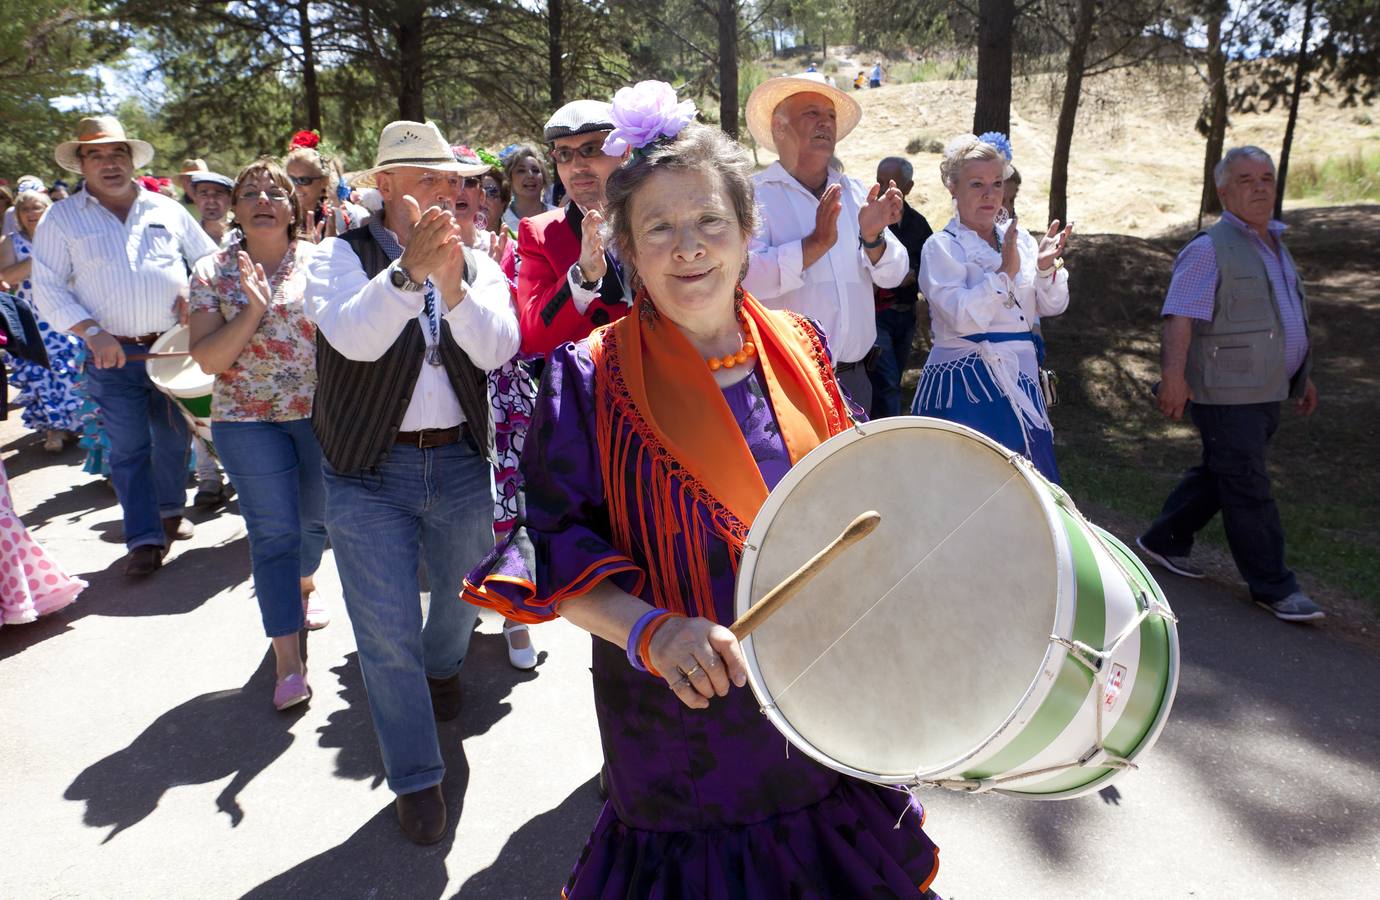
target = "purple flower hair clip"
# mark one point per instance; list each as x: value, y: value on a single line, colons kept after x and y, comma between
x: 645, y: 113
x: 998, y: 140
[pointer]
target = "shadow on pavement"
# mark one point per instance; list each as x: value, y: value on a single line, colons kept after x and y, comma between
x: 71, y: 504
x: 486, y: 679
x: 235, y: 732
x: 377, y: 861
x: 188, y: 579
x: 538, y: 857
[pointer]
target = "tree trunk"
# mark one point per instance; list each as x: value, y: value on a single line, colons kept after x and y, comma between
x: 992, y: 110
x: 1299, y: 72
x: 411, y: 81
x: 728, y: 67
x: 1068, y: 110
x: 309, y: 86
x: 555, y: 49
x: 1217, y: 113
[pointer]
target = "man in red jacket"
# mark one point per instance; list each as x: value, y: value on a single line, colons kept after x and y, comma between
x: 568, y: 283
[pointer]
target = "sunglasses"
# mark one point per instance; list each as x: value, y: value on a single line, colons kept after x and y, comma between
x: 565, y: 155
x: 491, y: 192
x: 470, y: 182
x: 276, y: 195
x: 305, y: 180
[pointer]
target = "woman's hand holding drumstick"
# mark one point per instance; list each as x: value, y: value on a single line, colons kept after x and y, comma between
x: 699, y: 657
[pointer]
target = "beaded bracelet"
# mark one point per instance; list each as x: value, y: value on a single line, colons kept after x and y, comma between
x: 636, y: 634
x: 644, y: 645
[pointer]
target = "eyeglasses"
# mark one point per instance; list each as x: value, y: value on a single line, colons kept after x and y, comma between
x: 275, y: 195
x: 470, y: 182
x: 305, y: 180
x: 565, y: 155
x: 491, y: 192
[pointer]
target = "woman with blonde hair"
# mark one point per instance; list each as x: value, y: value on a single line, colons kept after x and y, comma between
x: 988, y: 283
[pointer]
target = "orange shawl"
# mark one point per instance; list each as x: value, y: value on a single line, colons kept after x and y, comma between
x: 654, y: 383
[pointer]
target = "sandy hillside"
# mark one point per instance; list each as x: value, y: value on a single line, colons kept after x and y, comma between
x: 1136, y: 156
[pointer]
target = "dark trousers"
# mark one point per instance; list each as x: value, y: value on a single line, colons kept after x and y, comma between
x: 895, y: 331
x: 1232, y: 478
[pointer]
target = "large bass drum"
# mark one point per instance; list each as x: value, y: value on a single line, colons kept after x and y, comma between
x: 984, y: 637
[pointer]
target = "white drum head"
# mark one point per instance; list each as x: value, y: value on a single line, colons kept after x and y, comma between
x: 917, y: 645
x: 181, y: 376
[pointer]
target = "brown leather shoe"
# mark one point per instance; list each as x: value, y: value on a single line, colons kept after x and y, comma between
x: 176, y: 528
x: 143, y: 560
x: 422, y: 815
x: 445, y: 697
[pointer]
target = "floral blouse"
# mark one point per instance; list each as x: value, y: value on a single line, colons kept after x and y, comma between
x: 274, y: 380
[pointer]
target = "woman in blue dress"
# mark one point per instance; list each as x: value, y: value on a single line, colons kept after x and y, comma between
x: 51, y: 403
x: 988, y: 285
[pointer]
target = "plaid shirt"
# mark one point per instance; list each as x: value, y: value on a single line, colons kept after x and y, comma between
x: 1193, y: 287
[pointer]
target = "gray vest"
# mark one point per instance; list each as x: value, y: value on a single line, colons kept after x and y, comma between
x: 1238, y: 357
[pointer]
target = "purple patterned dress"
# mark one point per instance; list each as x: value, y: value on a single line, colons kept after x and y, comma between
x: 702, y: 803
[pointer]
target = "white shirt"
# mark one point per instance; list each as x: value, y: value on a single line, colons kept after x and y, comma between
x: 363, y: 317
x: 837, y: 290
x: 125, y: 275
x: 968, y: 295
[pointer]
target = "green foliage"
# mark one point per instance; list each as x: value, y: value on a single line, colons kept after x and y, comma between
x: 1338, y: 179
x: 46, y: 49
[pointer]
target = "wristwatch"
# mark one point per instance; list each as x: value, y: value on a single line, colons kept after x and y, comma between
x: 400, y: 279
x: 92, y: 331
x: 578, y: 275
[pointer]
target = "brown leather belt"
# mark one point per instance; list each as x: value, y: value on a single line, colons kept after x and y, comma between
x: 433, y: 437
x: 142, y: 340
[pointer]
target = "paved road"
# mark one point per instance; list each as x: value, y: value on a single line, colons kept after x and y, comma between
x: 143, y: 758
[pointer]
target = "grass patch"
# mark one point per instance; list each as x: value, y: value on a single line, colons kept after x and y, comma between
x: 1348, y: 178
x: 932, y: 70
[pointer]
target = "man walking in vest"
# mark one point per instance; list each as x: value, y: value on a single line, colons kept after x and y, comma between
x: 1235, y: 345
x: 408, y: 321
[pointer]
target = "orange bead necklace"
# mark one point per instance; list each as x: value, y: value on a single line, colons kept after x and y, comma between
x: 729, y: 360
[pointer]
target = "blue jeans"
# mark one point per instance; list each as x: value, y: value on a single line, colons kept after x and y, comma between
x: 433, y: 506
x: 895, y: 331
x: 276, y: 470
x: 149, y: 442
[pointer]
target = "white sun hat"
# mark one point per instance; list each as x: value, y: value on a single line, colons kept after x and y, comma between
x: 101, y: 130
x: 418, y: 144
x: 768, y: 95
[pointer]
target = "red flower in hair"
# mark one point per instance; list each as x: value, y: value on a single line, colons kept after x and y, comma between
x: 149, y: 182
x: 308, y: 139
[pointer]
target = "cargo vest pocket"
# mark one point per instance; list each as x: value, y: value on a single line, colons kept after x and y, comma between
x: 1248, y: 300
x: 1237, y: 360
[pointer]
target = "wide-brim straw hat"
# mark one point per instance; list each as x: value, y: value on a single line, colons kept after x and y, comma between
x: 768, y: 95
x: 418, y: 144
x: 101, y: 130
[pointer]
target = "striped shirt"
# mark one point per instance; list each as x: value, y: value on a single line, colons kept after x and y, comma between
x: 1193, y: 287
x: 126, y: 275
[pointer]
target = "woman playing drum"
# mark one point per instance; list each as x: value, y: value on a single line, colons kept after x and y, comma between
x: 987, y: 286
x: 654, y: 443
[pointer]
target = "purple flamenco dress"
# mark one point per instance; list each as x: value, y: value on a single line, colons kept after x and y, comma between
x: 705, y: 803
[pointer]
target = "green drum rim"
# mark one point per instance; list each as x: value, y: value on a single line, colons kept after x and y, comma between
x: 199, y: 406
x: 1070, y: 690
x: 1147, y: 697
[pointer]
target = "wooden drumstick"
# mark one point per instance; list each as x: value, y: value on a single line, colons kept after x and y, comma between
x: 141, y: 357
x: 778, y: 596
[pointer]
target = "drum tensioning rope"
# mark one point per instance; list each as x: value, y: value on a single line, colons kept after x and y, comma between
x: 1090, y: 658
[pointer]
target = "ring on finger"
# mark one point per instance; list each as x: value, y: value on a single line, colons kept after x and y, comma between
x: 690, y: 672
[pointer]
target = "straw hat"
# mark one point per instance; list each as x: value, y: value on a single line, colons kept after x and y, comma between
x: 419, y: 144
x: 190, y: 166
x: 101, y: 130
x: 768, y: 95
